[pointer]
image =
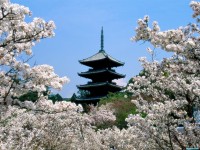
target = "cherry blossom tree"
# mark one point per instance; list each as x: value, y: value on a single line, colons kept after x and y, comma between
x: 17, y: 38
x: 28, y: 128
x: 169, y: 91
x: 40, y: 125
x: 52, y: 126
x: 166, y: 94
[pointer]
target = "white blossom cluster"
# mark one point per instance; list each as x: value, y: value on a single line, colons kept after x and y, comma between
x: 168, y: 92
x: 17, y: 38
x: 41, y: 125
x: 101, y: 115
x: 195, y: 7
x: 45, y: 125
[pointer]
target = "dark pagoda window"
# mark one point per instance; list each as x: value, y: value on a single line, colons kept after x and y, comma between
x: 101, y: 74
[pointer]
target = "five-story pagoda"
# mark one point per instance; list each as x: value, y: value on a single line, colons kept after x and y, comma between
x: 101, y: 75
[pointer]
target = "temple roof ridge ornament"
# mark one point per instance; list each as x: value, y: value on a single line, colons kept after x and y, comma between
x: 102, y: 41
x: 101, y: 56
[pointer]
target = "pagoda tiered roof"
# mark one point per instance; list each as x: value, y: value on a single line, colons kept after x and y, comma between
x: 101, y: 59
x: 100, y: 85
x: 101, y: 74
x: 93, y: 74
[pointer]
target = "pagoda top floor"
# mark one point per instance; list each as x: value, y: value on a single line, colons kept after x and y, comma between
x: 101, y: 60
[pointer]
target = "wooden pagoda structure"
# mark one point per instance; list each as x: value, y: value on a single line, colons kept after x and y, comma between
x: 101, y: 74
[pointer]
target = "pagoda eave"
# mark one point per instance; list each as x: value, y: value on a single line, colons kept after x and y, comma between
x: 92, y: 74
x: 102, y: 62
x: 99, y: 86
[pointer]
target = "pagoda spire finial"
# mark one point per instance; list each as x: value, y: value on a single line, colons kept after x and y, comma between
x: 102, y: 39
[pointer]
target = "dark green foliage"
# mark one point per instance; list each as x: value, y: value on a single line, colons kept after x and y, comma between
x: 55, y: 97
x: 112, y: 97
x: 123, y: 109
x: 33, y: 96
x: 67, y: 99
x: 170, y: 93
x: 83, y: 94
x: 73, y: 98
x: 30, y: 96
x: 143, y: 72
x: 166, y: 74
x: 122, y: 106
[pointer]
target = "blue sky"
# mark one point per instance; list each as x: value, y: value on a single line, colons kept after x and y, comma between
x: 78, y: 25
